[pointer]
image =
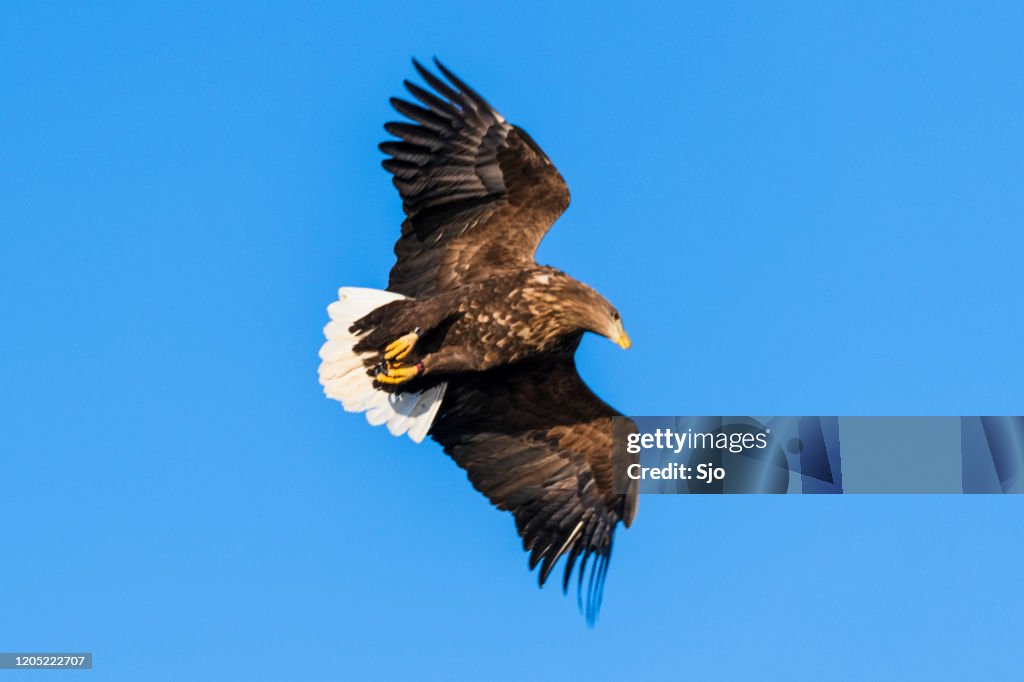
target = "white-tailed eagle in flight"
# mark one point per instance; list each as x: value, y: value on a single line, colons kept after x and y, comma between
x: 473, y: 342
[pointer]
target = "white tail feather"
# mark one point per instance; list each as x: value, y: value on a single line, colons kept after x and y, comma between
x: 343, y: 371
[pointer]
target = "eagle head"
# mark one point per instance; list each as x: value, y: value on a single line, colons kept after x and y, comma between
x: 602, y: 318
x: 613, y: 329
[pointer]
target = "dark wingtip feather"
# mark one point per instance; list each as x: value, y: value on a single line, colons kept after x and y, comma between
x: 424, y: 117
x: 569, y: 563
x: 435, y: 82
x: 469, y: 92
x: 595, y: 589
x: 420, y: 69
x: 436, y: 104
x: 535, y: 556
x: 579, y: 580
x: 549, y: 564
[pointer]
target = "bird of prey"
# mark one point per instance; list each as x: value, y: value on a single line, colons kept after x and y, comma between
x: 473, y: 342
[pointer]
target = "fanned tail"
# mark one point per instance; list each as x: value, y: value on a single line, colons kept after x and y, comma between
x: 343, y: 371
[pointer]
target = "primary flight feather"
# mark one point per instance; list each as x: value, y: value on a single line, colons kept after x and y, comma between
x: 473, y: 342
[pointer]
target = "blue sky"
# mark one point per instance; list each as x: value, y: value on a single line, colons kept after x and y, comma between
x: 807, y: 208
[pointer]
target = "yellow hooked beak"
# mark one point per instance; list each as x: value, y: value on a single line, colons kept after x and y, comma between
x: 622, y: 339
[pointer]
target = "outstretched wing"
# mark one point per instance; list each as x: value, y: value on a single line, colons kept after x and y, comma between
x: 537, y: 442
x: 478, y: 193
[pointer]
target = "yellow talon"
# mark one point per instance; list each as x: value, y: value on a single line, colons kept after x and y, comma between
x: 394, y: 374
x: 401, y: 347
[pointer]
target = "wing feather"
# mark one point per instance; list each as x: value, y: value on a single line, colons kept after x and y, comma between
x: 478, y: 193
x: 537, y: 442
x: 422, y: 116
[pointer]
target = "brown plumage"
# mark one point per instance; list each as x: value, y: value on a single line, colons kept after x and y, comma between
x: 474, y: 319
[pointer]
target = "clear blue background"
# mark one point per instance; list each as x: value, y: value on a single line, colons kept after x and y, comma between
x: 811, y: 208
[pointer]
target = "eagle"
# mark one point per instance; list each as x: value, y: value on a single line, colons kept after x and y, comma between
x: 473, y: 342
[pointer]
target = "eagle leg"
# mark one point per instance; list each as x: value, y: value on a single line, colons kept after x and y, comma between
x: 394, y: 373
x: 402, y: 346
